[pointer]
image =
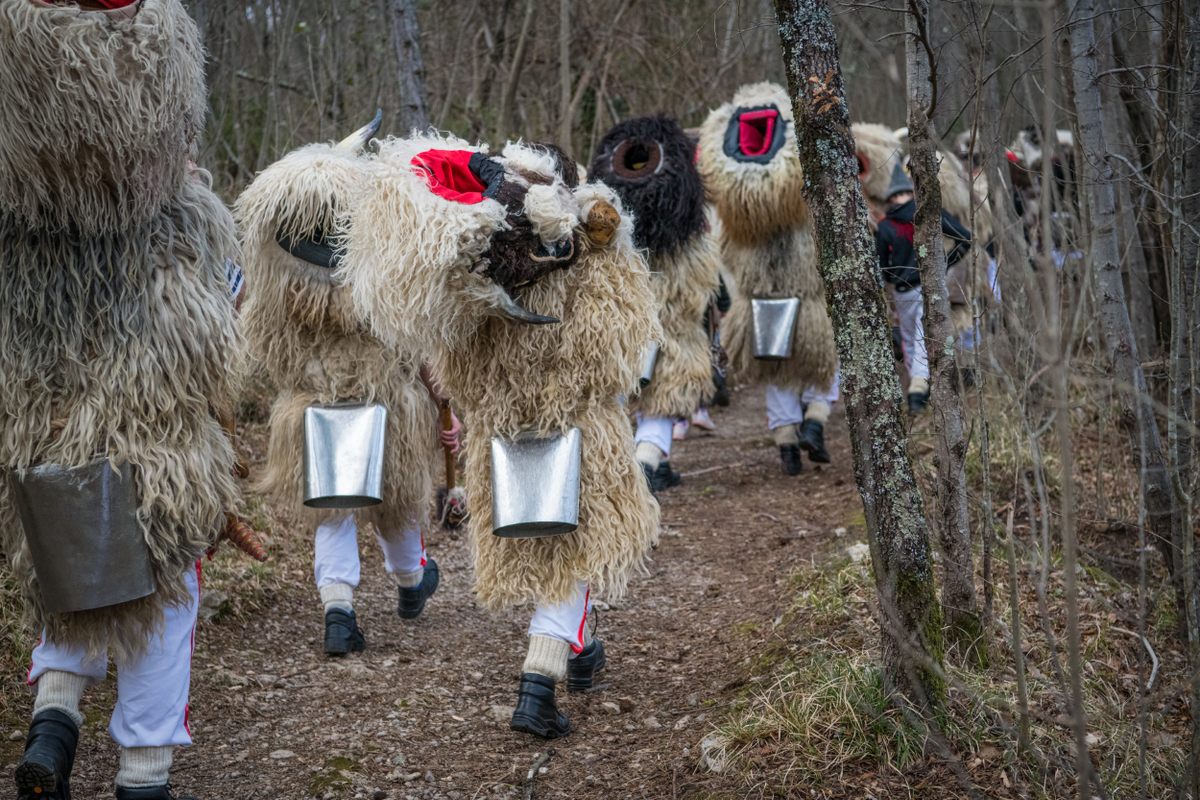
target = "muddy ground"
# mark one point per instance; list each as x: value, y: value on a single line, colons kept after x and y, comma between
x: 423, y: 713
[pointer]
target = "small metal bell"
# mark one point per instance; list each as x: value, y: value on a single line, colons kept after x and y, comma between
x: 535, y: 485
x: 343, y: 455
x: 81, y: 525
x: 774, y: 325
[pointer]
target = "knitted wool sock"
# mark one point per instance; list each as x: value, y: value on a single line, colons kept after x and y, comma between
x: 817, y: 411
x: 410, y: 579
x: 785, y: 435
x: 60, y: 691
x: 337, y: 595
x: 145, y: 766
x: 918, y: 385
x: 649, y: 454
x: 547, y: 656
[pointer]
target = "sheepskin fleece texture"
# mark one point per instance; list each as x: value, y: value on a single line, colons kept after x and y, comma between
x: 878, y: 147
x: 508, y: 377
x: 666, y: 198
x: 683, y: 281
x: 408, y: 251
x: 770, y: 268
x: 123, y: 345
x: 301, y: 327
x: 755, y: 201
x: 669, y: 224
x: 767, y: 247
x: 100, y: 114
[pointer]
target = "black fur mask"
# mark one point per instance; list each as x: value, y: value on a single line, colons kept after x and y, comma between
x: 648, y: 162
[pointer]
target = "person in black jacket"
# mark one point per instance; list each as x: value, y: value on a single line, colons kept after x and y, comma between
x: 898, y: 267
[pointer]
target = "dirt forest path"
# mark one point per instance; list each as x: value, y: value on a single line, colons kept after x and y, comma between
x: 423, y: 713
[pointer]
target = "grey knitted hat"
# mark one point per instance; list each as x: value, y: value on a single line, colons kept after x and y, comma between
x: 900, y: 181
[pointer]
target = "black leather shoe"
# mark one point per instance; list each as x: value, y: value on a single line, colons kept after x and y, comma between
x: 917, y: 402
x: 150, y: 793
x: 342, y: 634
x: 582, y: 669
x: 45, y: 770
x: 789, y: 456
x: 536, y: 712
x: 412, y: 601
x: 812, y: 441
x: 662, y: 478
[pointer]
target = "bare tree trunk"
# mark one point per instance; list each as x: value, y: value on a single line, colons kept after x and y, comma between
x: 960, y: 608
x: 414, y: 114
x: 508, y: 99
x: 1145, y: 438
x: 565, y: 110
x: 892, y: 503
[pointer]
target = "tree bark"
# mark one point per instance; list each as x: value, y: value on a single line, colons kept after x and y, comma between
x: 960, y: 608
x: 414, y: 114
x: 892, y: 503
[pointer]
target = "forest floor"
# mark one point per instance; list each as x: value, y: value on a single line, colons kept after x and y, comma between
x: 424, y: 711
x: 742, y: 666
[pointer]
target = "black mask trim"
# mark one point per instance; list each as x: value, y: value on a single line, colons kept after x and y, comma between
x: 733, y: 139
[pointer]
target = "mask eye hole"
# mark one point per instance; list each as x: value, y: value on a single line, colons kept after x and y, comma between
x: 636, y: 159
x: 863, y: 165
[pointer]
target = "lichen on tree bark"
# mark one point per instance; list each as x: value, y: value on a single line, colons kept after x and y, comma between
x: 892, y: 503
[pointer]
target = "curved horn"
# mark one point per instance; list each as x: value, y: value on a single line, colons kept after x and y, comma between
x: 513, y: 310
x: 358, y: 140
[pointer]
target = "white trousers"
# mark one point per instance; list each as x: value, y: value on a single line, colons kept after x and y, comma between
x: 564, y: 621
x: 786, y: 407
x: 656, y: 431
x: 152, y: 690
x: 910, y: 308
x: 336, y: 557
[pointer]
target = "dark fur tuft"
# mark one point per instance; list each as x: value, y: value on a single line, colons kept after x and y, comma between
x: 668, y: 202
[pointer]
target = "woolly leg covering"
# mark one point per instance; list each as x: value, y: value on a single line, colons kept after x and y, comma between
x: 649, y: 454
x: 337, y: 595
x: 817, y: 411
x: 60, y: 691
x: 547, y: 656
x: 786, y: 435
x: 145, y: 766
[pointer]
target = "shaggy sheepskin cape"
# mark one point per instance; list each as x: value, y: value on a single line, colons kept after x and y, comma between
x: 116, y: 326
x: 301, y: 326
x: 100, y: 112
x: 751, y: 168
x: 649, y: 163
x: 414, y: 261
x: 877, y: 148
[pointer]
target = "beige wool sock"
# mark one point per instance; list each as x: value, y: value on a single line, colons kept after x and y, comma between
x: 60, y: 691
x: 648, y: 453
x: 145, y: 766
x: 337, y: 595
x: 547, y: 656
x: 918, y: 385
x: 410, y: 579
x: 817, y: 411
x: 785, y: 435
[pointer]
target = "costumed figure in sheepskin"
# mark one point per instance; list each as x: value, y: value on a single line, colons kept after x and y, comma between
x: 879, y: 149
x: 777, y: 330
x: 116, y: 344
x: 649, y: 163
x: 301, y: 326
x: 525, y: 288
x: 889, y: 194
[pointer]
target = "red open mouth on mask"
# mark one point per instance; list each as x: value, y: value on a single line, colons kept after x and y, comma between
x: 756, y: 130
x: 755, y: 134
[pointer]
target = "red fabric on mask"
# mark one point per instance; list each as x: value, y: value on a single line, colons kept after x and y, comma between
x: 755, y: 140
x: 449, y: 176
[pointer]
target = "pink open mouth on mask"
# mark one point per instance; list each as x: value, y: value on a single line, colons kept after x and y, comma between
x: 756, y: 131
